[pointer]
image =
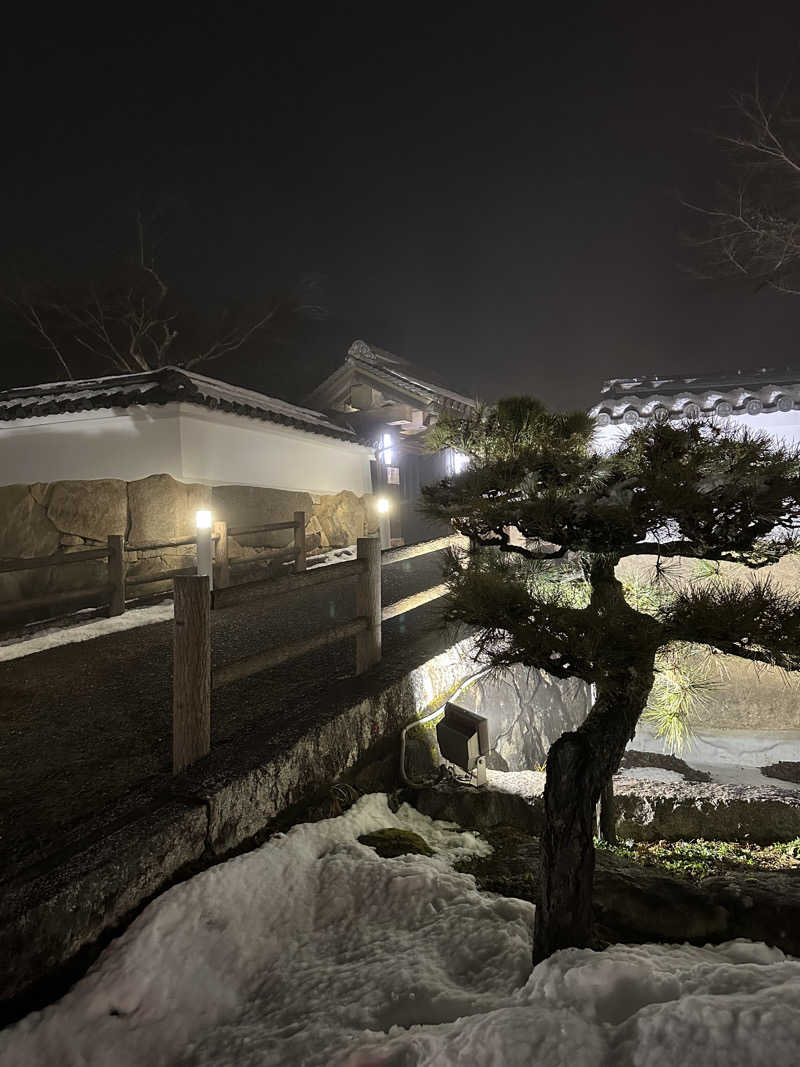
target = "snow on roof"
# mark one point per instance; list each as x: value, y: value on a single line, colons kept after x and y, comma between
x: 166, y: 385
x: 757, y: 392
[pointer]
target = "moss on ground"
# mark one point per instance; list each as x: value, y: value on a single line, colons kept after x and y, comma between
x: 701, y: 859
x: 513, y: 866
x: 390, y: 842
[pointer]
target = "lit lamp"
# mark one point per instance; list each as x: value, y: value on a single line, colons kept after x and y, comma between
x: 202, y: 521
x: 383, y: 521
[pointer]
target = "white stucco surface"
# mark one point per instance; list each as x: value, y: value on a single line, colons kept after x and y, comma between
x: 783, y: 426
x: 191, y: 443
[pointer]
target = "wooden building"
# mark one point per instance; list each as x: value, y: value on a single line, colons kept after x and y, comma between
x: 393, y: 404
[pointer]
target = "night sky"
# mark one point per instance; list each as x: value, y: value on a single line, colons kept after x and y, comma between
x: 490, y: 190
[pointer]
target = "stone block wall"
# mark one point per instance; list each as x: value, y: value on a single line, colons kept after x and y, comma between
x: 44, y: 518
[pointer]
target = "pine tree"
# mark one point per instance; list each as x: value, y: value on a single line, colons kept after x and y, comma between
x: 551, y: 520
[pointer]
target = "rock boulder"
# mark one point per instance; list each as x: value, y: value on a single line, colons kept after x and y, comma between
x: 343, y: 518
x: 92, y: 509
x: 25, y: 530
x: 162, y: 509
x: 247, y: 505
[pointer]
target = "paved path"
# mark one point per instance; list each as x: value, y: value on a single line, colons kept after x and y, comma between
x: 83, y: 724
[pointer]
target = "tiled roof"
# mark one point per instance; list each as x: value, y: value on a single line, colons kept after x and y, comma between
x: 627, y: 400
x: 393, y: 370
x: 390, y: 375
x: 164, y: 386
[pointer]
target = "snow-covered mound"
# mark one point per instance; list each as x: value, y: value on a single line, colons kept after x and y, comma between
x: 314, y: 951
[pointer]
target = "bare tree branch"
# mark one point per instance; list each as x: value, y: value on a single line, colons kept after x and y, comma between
x: 754, y: 231
x: 132, y: 322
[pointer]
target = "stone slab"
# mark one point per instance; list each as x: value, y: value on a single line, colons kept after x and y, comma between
x: 163, y: 509
x: 92, y: 509
x: 25, y: 530
x: 246, y: 505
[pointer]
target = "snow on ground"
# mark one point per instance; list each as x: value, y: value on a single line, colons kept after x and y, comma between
x: 653, y: 774
x: 728, y: 750
x: 72, y: 629
x: 313, y: 951
x: 656, y: 783
x: 333, y: 555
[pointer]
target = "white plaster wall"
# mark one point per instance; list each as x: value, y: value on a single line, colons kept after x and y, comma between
x: 188, y: 442
x: 219, y: 448
x: 90, y: 444
x: 784, y: 426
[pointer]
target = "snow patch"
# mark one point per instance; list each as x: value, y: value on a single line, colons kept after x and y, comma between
x: 312, y: 950
x: 70, y: 630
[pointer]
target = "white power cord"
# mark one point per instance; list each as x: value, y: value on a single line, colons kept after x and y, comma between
x: 427, y: 718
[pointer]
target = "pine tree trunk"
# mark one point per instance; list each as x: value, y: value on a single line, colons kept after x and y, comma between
x: 564, y: 912
x: 579, y: 766
x: 608, y: 813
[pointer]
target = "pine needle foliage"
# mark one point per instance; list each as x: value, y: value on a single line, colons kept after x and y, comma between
x: 683, y: 686
x: 559, y: 512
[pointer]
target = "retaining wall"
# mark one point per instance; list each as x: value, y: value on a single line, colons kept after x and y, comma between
x: 111, y: 867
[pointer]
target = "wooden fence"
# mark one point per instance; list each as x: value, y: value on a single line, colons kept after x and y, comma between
x: 111, y: 592
x: 118, y: 589
x: 193, y: 682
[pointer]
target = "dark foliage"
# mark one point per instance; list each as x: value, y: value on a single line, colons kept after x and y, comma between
x: 550, y: 521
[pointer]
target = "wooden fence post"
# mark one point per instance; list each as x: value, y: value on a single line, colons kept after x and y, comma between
x: 116, y: 573
x: 222, y: 566
x: 299, y: 541
x: 191, y: 671
x: 368, y: 603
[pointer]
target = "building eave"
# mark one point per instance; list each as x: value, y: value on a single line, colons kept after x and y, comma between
x: 164, y: 386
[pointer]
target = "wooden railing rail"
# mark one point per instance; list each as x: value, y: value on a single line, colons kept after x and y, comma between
x: 266, y: 527
x: 366, y: 627
x: 161, y: 576
x: 271, y: 556
x: 425, y: 596
x: 289, y: 583
x: 416, y: 600
x: 117, y: 554
x: 174, y: 542
x: 49, y: 605
x: 111, y: 592
x: 80, y: 555
x: 422, y: 548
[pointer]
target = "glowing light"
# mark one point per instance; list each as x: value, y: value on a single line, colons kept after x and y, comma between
x: 383, y: 505
x: 203, y: 520
x: 387, y: 449
x: 457, y: 461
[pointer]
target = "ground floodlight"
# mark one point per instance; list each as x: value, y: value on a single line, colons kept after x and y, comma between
x: 383, y: 505
x: 202, y: 519
x: 463, y: 740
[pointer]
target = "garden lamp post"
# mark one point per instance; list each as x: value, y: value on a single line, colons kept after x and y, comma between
x: 204, y: 556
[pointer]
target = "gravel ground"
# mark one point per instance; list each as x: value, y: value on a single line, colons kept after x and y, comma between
x: 83, y: 724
